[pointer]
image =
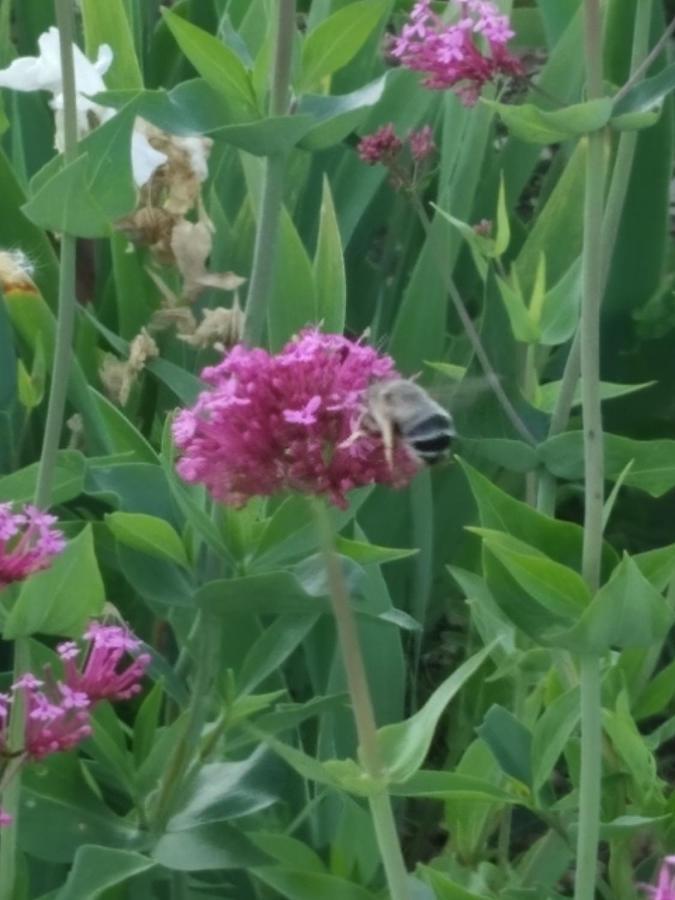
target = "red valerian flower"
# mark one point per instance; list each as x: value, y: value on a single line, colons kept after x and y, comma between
x: 382, y: 146
x: 103, y: 676
x: 58, y: 710
x: 450, y: 54
x: 283, y: 422
x: 28, y: 542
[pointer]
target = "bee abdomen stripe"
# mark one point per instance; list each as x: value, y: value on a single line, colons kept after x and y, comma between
x: 432, y: 446
x: 431, y: 425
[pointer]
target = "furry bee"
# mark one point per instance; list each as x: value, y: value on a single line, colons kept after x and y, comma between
x: 401, y: 408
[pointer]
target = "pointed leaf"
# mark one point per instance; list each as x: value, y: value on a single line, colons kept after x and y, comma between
x: 404, y: 745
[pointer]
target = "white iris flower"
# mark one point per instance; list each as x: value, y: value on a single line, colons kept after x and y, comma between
x: 43, y: 73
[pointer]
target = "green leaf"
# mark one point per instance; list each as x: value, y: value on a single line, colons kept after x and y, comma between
x: 288, y: 850
x: 510, y: 742
x: 643, y: 97
x: 336, y: 116
x: 293, y: 302
x: 551, y: 733
x: 557, y: 588
x: 302, y: 885
x: 404, y: 745
x: 222, y: 791
x: 653, y: 469
x: 560, y: 308
x: 107, y: 23
x: 273, y: 647
x: 523, y: 327
x: 63, y: 597
x: 58, y: 800
x: 67, y: 483
x: 433, y: 784
x: 533, y: 125
x: 66, y: 205
x: 657, y: 566
x: 516, y: 456
x: 96, y: 868
x: 329, y: 267
x: 271, y: 592
x: 366, y: 554
x: 36, y: 325
x: 561, y: 541
x: 561, y: 214
x: 216, y: 63
x: 445, y: 888
x: 213, y: 845
x: 148, y: 534
x: 336, y: 40
x: 547, y: 394
x: 503, y: 235
x: 657, y: 695
x: 626, y: 612
x: 17, y: 231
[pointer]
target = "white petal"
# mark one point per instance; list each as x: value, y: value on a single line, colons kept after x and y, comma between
x: 144, y: 158
x: 198, y: 149
x: 36, y: 73
x: 43, y: 72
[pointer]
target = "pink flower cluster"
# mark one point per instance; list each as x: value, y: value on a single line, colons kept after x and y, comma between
x: 383, y: 146
x: 28, y: 542
x: 665, y: 885
x: 283, y: 422
x: 450, y: 54
x: 58, y: 711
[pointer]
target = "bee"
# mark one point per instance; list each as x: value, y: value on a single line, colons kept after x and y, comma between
x: 400, y: 408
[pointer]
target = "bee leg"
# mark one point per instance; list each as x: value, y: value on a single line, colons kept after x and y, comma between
x: 386, y: 429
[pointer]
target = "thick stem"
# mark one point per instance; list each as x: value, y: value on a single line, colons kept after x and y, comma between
x: 470, y: 329
x: 267, y: 232
x: 590, y: 779
x: 592, y: 267
x: 616, y: 197
x: 67, y: 304
x: 53, y: 427
x: 362, y: 706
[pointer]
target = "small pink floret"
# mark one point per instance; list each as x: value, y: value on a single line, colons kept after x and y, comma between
x: 451, y: 55
x: 382, y: 146
x: 291, y: 433
x: 28, y: 542
x: 5, y: 819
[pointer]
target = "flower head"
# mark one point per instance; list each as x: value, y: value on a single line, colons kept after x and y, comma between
x: 665, y: 885
x: 57, y: 718
x: 58, y: 710
x: 422, y: 144
x: 43, y: 73
x: 285, y: 422
x: 452, y: 55
x: 28, y: 542
x: 5, y: 819
x: 382, y: 146
x: 105, y: 674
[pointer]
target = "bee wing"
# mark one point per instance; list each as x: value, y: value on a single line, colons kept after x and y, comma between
x: 457, y: 390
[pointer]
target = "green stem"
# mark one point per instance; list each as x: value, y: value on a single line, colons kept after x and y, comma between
x: 362, y: 706
x: 590, y: 779
x: 593, y: 271
x: 616, y: 198
x: 267, y: 232
x: 53, y: 426
x: 470, y: 329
